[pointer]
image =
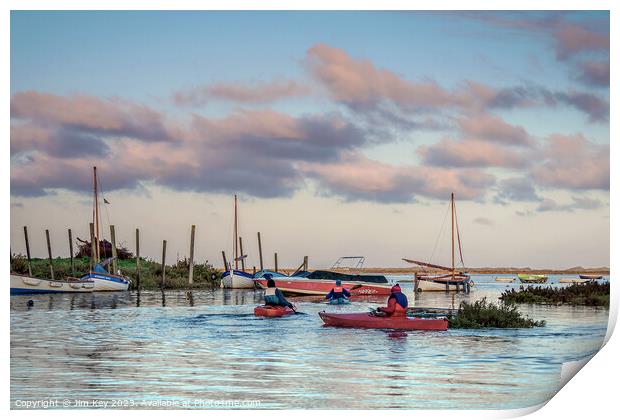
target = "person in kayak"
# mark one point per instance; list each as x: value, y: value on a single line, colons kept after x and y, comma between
x: 397, y: 303
x: 338, y: 294
x: 273, y: 295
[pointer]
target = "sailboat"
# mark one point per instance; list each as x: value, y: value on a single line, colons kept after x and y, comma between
x: 233, y: 278
x: 99, y: 274
x: 448, y: 279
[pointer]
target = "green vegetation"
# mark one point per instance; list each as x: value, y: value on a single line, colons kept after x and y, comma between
x: 483, y: 314
x: 205, y: 276
x: 589, y: 294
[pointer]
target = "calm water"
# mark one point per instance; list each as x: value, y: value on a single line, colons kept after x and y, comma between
x: 208, y: 346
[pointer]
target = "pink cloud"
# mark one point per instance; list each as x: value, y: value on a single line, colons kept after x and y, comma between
x: 356, y: 177
x: 595, y: 73
x: 359, y: 83
x: 258, y: 92
x: 112, y: 116
x: 573, y: 162
x: 470, y: 153
x: 489, y: 127
x: 574, y: 39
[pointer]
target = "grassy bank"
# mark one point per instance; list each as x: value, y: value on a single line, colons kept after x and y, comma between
x: 591, y: 294
x: 484, y: 314
x: 205, y: 276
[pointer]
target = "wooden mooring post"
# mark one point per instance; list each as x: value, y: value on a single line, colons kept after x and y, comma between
x: 242, y: 254
x: 138, y: 259
x: 28, y: 251
x: 260, y: 252
x: 113, y: 239
x: 163, y: 265
x: 275, y: 258
x: 71, y: 253
x: 191, y: 256
x: 225, y: 262
x: 305, y: 263
x: 49, y: 252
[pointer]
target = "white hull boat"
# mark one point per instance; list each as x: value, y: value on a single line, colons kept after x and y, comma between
x: 435, y: 286
x: 239, y: 280
x: 105, y: 282
x: 23, y: 285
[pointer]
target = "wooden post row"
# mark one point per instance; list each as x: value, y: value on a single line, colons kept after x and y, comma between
x: 28, y: 251
x: 49, y: 252
x: 191, y: 256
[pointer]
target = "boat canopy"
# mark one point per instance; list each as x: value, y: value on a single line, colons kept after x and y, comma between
x: 100, y: 269
x: 332, y: 275
x: 261, y: 273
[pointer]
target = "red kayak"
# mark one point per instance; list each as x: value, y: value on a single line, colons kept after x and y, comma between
x: 368, y: 320
x: 272, y: 311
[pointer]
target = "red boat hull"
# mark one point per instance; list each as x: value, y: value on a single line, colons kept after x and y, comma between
x: 367, y: 320
x: 304, y: 286
x: 272, y: 311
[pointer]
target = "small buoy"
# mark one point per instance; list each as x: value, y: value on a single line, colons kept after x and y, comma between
x: 30, y: 303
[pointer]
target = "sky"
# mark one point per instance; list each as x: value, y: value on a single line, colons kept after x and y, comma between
x: 342, y: 133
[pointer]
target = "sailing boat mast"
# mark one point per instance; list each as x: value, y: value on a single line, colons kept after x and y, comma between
x: 452, y: 212
x: 96, y: 244
x: 236, y: 237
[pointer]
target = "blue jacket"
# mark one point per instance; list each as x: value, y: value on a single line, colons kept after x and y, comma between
x: 338, y: 295
x: 273, y: 296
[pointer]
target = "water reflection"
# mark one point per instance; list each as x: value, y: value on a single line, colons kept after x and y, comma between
x: 206, y: 344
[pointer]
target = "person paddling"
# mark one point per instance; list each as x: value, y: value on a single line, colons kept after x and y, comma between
x: 338, y: 294
x: 397, y: 303
x: 273, y: 295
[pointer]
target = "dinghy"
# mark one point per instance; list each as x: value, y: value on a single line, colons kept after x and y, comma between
x: 532, y: 278
x: 24, y: 285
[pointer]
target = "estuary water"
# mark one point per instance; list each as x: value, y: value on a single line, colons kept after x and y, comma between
x: 205, y: 349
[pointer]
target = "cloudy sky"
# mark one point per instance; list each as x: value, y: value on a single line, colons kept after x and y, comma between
x: 342, y: 133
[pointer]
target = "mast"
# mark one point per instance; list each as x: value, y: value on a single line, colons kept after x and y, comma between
x: 96, y: 244
x: 236, y: 238
x: 452, y: 211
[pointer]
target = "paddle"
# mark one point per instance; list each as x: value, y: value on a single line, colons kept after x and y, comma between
x: 297, y: 312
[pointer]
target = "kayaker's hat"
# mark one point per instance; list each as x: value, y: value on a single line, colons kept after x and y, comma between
x: 338, y: 282
x: 271, y: 283
x: 396, y: 288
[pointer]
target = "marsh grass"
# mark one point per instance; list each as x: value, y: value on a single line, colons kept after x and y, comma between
x: 590, y: 294
x: 484, y: 314
x: 205, y: 275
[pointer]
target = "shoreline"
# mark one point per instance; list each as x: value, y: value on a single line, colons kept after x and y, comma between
x: 604, y: 271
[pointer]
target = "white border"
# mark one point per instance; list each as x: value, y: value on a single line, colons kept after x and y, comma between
x: 591, y: 394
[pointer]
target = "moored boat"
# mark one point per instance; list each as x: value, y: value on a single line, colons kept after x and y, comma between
x: 104, y: 280
x: 238, y: 280
x: 321, y: 282
x: 448, y: 278
x: 504, y: 279
x: 368, y: 320
x: 574, y: 281
x: 532, y: 278
x: 24, y: 285
x: 233, y: 278
x: 590, y: 276
x: 272, y: 311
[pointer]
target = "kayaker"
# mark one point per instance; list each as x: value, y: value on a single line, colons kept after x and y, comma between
x: 338, y: 293
x: 273, y: 295
x: 397, y: 303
